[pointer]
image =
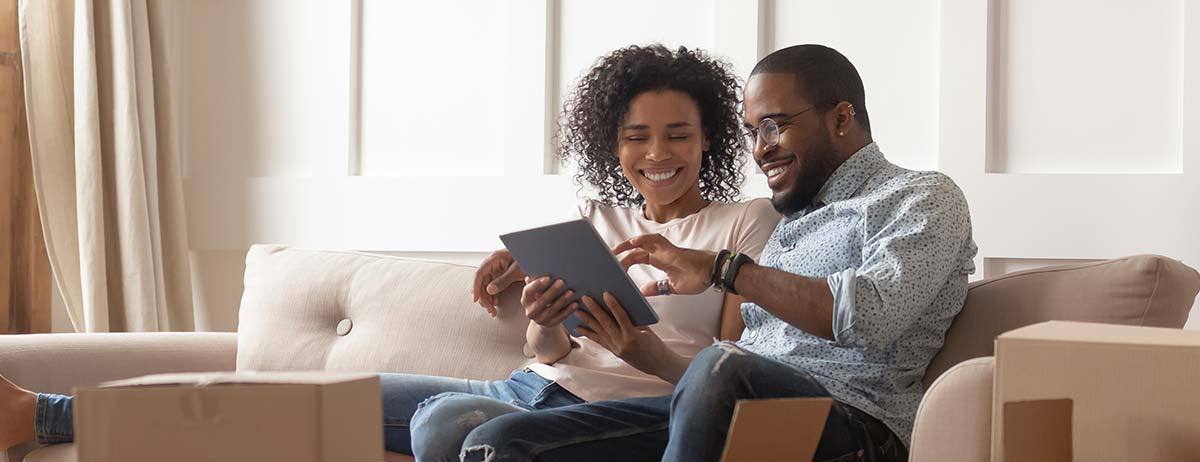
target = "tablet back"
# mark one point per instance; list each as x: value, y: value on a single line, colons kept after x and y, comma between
x: 574, y: 252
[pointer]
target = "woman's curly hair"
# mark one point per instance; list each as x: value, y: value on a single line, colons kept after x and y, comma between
x: 594, y: 111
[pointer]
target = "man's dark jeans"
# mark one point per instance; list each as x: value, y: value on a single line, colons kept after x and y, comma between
x: 689, y: 426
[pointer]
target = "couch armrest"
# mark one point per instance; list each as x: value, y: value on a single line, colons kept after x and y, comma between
x: 56, y: 363
x: 954, y: 421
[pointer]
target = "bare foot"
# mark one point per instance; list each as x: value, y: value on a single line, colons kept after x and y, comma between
x: 17, y: 407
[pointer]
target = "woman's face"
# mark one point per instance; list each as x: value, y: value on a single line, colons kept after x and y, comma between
x: 660, y: 145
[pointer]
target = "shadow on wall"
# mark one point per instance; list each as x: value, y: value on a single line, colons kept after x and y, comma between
x: 224, y: 64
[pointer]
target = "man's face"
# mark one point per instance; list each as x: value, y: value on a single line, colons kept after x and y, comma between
x: 805, y: 156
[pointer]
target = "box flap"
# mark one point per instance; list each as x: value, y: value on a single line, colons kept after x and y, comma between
x: 776, y: 429
x: 1087, y: 332
x: 1038, y: 431
x: 220, y: 378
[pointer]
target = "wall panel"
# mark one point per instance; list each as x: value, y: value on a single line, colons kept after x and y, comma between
x: 1100, y: 92
x: 1066, y: 122
x: 1076, y: 215
x: 894, y: 47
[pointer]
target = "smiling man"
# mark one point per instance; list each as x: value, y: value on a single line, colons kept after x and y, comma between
x: 856, y: 287
x: 851, y: 300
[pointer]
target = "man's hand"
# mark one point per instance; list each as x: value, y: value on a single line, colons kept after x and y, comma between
x: 688, y: 271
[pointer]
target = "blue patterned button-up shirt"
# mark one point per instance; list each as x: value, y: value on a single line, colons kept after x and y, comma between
x: 895, y: 246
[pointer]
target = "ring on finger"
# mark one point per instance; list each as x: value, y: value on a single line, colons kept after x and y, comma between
x: 664, y: 287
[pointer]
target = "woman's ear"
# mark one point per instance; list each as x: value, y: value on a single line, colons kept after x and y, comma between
x: 705, y: 143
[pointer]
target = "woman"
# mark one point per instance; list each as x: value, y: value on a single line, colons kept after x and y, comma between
x: 655, y: 135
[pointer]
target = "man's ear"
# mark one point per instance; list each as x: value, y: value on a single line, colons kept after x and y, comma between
x: 844, y: 112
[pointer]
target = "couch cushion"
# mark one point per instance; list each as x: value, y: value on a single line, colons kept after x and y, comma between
x: 954, y: 422
x: 329, y: 310
x: 1142, y: 290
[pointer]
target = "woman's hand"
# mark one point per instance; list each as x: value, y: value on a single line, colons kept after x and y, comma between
x: 498, y: 271
x: 611, y: 327
x: 546, y: 302
x: 688, y: 271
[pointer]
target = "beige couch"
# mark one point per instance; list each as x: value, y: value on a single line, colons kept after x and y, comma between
x: 321, y: 310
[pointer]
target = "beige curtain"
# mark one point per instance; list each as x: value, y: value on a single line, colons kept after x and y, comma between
x: 24, y: 268
x: 102, y: 124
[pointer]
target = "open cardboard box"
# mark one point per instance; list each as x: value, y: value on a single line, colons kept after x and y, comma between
x: 1038, y: 431
x: 784, y: 429
x: 292, y: 416
x: 1096, y: 392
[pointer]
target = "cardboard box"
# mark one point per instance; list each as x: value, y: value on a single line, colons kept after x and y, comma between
x: 784, y: 429
x: 292, y: 416
x: 1096, y: 392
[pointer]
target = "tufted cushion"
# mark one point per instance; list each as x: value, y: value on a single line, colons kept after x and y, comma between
x: 393, y: 314
x: 1143, y: 290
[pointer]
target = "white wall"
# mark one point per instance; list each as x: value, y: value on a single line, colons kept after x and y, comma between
x: 422, y: 127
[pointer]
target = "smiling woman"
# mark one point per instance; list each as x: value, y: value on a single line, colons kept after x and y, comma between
x: 693, y: 100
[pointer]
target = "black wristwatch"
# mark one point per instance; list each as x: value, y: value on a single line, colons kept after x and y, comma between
x: 714, y: 279
x: 732, y: 270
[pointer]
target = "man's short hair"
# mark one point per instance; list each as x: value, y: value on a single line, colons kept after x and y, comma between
x: 824, y: 74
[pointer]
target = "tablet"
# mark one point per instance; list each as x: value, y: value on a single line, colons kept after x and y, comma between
x: 574, y: 252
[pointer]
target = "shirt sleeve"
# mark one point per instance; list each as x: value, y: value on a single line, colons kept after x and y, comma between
x: 583, y: 209
x: 913, y: 242
x: 757, y: 225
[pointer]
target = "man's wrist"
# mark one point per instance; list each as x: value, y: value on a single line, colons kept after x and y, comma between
x: 729, y: 279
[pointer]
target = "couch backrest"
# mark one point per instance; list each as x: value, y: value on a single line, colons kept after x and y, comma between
x: 1143, y: 290
x: 329, y: 310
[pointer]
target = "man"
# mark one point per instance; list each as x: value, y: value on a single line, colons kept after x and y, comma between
x: 851, y: 300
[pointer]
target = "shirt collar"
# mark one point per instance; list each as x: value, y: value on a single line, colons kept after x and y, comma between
x: 849, y: 177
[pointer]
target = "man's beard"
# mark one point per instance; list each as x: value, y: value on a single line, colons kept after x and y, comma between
x: 815, y: 167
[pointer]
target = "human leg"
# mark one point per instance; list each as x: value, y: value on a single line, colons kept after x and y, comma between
x: 720, y: 375
x: 626, y: 430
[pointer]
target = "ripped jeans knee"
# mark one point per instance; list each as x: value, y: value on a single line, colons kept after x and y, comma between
x: 478, y: 453
x: 442, y: 423
x: 720, y: 357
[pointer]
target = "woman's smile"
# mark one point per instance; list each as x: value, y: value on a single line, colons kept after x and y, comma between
x: 660, y: 176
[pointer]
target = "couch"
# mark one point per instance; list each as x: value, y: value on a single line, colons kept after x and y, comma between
x: 328, y: 310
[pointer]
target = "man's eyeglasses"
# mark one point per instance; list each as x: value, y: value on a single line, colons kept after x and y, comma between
x: 767, y: 131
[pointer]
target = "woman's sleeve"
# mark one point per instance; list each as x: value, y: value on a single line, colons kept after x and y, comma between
x: 583, y: 209
x: 757, y: 224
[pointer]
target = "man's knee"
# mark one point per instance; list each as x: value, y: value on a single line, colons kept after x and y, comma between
x: 713, y: 374
x: 719, y: 360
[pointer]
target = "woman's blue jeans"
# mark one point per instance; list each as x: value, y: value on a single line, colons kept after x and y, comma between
x: 430, y: 417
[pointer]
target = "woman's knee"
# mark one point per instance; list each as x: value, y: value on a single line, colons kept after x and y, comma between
x: 442, y: 422
x: 507, y: 438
